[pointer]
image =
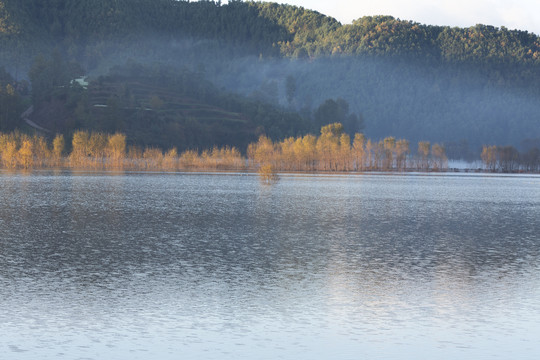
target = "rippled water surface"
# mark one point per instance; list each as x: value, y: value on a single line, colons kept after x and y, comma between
x: 202, y: 266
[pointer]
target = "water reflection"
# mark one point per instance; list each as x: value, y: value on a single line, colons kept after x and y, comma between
x: 218, y: 266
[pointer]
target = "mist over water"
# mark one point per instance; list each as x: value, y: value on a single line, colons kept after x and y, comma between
x: 102, y: 265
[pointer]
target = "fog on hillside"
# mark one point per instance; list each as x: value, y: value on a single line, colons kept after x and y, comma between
x: 400, y: 98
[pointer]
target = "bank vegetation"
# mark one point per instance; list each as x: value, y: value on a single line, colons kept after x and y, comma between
x: 96, y: 150
x: 332, y: 151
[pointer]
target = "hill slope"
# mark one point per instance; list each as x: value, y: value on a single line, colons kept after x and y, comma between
x: 157, y: 106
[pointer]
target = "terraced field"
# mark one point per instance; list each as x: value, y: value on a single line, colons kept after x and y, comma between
x: 165, y: 115
x: 161, y: 101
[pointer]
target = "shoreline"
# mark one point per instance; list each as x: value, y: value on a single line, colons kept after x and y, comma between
x: 254, y: 172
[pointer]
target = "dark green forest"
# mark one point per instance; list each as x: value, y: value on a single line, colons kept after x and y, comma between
x: 204, y: 73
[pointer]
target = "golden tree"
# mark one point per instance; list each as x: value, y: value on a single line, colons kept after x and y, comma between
x: 423, y: 153
x: 25, y: 155
x: 268, y: 174
x: 402, y: 150
x: 170, y: 159
x: 116, y: 148
x: 80, y: 145
x: 370, y: 154
x: 189, y: 159
x: 328, y: 146
x: 489, y: 157
x: 309, y: 152
x: 153, y: 158
x: 288, y: 156
x: 359, y: 151
x: 389, y: 146
x: 9, y: 153
x: 345, y: 153
x: 97, y: 146
x: 58, y: 148
x: 40, y: 149
x: 264, y: 152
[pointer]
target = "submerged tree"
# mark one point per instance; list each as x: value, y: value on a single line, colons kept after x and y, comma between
x: 268, y: 174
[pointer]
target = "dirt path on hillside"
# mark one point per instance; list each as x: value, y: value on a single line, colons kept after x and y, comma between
x: 25, y: 116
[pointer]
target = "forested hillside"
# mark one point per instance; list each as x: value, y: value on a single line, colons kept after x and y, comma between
x: 461, y: 86
x: 267, y: 28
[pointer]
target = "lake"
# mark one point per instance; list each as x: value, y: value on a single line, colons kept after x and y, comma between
x: 220, y: 266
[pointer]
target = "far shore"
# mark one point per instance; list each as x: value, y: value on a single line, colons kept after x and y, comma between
x: 250, y: 170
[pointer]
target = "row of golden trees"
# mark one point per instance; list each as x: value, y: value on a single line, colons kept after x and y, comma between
x: 333, y: 150
x: 21, y: 150
x: 99, y: 150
